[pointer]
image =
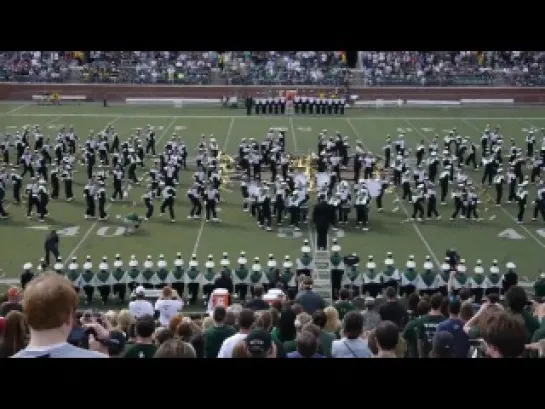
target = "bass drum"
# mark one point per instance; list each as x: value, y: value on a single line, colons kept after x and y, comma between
x: 373, y: 187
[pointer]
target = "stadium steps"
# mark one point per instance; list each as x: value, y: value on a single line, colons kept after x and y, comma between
x: 322, y: 275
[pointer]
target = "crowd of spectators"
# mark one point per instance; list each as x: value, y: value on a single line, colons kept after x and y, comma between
x: 180, y: 67
x: 44, y: 321
x: 286, y: 67
x: 432, y: 68
x: 445, y: 68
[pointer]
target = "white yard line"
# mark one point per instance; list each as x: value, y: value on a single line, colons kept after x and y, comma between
x: 509, y: 215
x: 402, y: 206
x: 14, y: 109
x: 201, y: 227
x: 293, y: 135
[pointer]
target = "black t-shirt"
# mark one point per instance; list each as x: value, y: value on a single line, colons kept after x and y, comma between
x: 10, y: 306
x: 393, y: 311
x: 257, y: 304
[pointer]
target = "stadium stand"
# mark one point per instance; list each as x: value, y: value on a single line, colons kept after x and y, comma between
x: 457, y: 68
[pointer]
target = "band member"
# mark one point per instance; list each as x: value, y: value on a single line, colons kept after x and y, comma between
x: 522, y: 198
x: 211, y: 196
x: 89, y: 196
x: 499, y: 181
x: 264, y: 211
x: 362, y: 208
x: 169, y: 193
x: 431, y: 196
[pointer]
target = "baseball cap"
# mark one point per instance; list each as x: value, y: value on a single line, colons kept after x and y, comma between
x: 258, y: 342
x: 115, y: 343
x: 2, y: 325
x: 443, y: 343
x: 140, y: 290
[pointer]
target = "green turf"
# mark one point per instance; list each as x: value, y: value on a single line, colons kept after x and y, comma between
x: 238, y: 231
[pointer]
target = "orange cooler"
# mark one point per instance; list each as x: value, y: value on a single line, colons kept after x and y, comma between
x: 220, y: 296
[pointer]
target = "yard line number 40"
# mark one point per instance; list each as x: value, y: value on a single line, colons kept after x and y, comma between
x: 104, y: 231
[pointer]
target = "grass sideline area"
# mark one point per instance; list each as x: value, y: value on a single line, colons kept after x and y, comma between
x: 496, y: 237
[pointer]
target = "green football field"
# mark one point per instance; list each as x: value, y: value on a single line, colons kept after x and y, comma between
x: 496, y: 237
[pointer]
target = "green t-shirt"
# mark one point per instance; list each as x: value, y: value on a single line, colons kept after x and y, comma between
x: 530, y: 322
x: 141, y: 351
x: 428, y: 326
x: 343, y: 307
x: 474, y: 333
x: 290, y: 346
x: 326, y: 342
x: 539, y: 334
x: 214, y: 337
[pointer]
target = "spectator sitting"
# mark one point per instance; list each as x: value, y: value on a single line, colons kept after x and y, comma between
x: 309, y: 300
x: 263, y: 320
x: 539, y: 334
x: 392, y: 310
x: 2, y: 328
x: 423, y: 329
x: 246, y: 321
x: 333, y: 323
x: 175, y: 322
x: 167, y: 306
x: 443, y: 345
x: 259, y: 344
x: 144, y: 346
x: 111, y: 343
x: 344, y: 305
x: 325, y: 339
x: 257, y: 303
x: 49, y: 306
x: 161, y: 335
x: 412, y: 305
x: 77, y: 335
x: 13, y: 303
x: 15, y: 334
x: 505, y: 336
x: 467, y: 311
x: 455, y: 326
x: 219, y: 332
x: 175, y: 348
x: 387, y: 339
x: 140, y: 306
x: 352, y: 345
x: 517, y: 301
x: 475, y: 326
x: 307, y: 346
x: 124, y: 321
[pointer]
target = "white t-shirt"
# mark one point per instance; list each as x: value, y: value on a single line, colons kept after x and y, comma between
x: 168, y: 310
x: 226, y: 350
x: 139, y: 308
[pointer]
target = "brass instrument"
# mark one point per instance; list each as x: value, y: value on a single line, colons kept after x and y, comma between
x: 227, y: 168
x: 305, y: 164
